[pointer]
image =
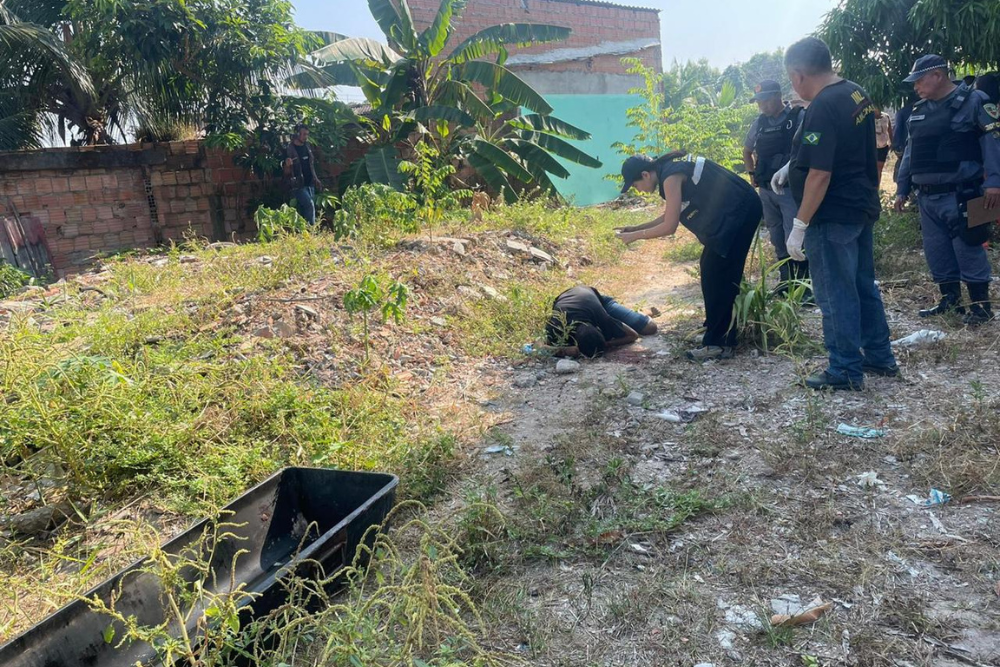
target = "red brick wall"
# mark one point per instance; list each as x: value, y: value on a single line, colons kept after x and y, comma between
x: 85, y: 210
x: 592, y: 24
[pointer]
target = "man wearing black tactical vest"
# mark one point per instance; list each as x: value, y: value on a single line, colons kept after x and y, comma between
x: 768, y: 146
x: 952, y: 157
x: 722, y: 210
x: 834, y: 177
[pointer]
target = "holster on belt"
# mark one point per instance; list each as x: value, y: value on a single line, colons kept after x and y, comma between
x: 977, y: 235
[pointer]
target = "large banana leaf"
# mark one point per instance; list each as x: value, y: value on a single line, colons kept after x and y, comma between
x: 382, y: 163
x: 561, y: 148
x: 460, y: 94
x: 501, y: 80
x: 359, y: 50
x: 385, y: 14
x: 495, y: 39
x: 549, y: 125
x: 501, y: 159
x: 536, y: 159
x: 440, y: 112
x: 495, y: 178
x: 405, y: 34
x: 396, y: 84
x: 436, y: 36
x: 355, y: 175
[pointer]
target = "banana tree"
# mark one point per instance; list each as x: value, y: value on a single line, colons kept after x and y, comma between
x: 462, y: 98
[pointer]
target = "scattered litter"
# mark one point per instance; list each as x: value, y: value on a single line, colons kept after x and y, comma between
x: 790, y: 604
x: 845, y: 605
x: 698, y: 578
x: 638, y: 548
x: 869, y: 479
x: 506, y: 450
x: 935, y: 497
x: 918, y: 338
x: 937, y: 523
x: 567, y: 366
x: 861, y: 431
x: 743, y: 618
x: 681, y: 416
x: 805, y: 618
x: 530, y: 350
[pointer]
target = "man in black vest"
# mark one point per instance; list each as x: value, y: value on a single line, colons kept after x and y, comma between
x: 767, y: 148
x: 952, y: 156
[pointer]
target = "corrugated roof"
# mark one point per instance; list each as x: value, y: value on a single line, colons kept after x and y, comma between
x: 605, y: 3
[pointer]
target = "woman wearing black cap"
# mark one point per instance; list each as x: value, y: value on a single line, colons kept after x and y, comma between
x: 722, y: 210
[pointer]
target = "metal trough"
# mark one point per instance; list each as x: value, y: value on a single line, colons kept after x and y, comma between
x: 297, y: 515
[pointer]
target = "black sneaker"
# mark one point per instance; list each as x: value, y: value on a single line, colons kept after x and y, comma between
x: 881, y: 371
x: 824, y: 380
x: 710, y: 352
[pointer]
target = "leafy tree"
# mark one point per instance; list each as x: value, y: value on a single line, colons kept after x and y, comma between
x: 468, y: 106
x: 875, y: 42
x: 679, y: 112
x: 760, y: 66
x: 154, y: 64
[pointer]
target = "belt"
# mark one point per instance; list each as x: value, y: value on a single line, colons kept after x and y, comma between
x: 947, y: 187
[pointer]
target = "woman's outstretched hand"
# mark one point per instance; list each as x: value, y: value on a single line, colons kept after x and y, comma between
x: 628, y: 236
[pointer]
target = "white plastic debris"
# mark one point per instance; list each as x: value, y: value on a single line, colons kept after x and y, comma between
x: 918, y: 338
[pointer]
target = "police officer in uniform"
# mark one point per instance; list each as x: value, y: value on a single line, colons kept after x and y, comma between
x: 770, y: 137
x: 952, y: 156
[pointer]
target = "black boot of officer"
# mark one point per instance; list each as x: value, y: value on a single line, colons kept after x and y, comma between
x: 980, y: 309
x: 951, y: 300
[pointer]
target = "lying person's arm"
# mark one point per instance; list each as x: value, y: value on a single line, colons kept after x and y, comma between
x: 630, y: 337
x: 559, y: 351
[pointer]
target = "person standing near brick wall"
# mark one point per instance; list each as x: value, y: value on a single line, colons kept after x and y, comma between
x: 300, y: 172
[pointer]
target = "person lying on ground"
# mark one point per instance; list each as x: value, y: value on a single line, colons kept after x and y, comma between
x: 586, y: 323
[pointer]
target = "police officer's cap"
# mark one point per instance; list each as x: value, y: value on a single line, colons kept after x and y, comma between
x: 632, y: 170
x: 926, y: 64
x: 766, y: 89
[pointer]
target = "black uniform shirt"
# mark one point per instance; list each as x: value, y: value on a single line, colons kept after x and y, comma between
x: 838, y: 135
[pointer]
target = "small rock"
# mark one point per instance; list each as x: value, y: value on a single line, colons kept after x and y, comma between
x: 159, y: 262
x: 265, y: 259
x: 307, y: 311
x: 438, y: 321
x: 525, y: 381
x: 567, y: 366
x: 541, y: 255
x: 284, y: 329
x: 743, y: 618
x: 40, y: 519
x: 458, y: 248
x: 725, y: 639
x: 469, y: 292
x: 491, y: 292
x: 585, y: 261
x: 187, y: 259
x: 636, y: 398
x: 219, y: 245
x: 264, y: 332
x: 705, y: 664
x: 518, y: 246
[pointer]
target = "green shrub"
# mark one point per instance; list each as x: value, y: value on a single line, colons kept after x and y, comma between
x: 375, y: 211
x: 12, y: 279
x: 272, y: 224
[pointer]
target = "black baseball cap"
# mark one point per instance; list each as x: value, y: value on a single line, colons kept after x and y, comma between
x: 926, y: 64
x: 632, y: 170
x: 765, y: 89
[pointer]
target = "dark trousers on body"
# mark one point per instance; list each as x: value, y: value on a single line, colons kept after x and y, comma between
x: 721, y: 277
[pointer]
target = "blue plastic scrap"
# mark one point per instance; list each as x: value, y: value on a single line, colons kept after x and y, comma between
x: 935, y: 497
x: 861, y: 431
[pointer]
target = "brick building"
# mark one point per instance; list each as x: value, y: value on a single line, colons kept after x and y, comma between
x: 582, y: 77
x: 587, y: 63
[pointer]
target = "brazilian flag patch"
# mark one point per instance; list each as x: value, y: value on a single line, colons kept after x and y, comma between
x: 811, y: 138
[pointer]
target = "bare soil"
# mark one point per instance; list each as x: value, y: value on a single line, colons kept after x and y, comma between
x: 580, y: 572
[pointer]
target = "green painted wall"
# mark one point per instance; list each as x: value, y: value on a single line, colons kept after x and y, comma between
x: 604, y: 117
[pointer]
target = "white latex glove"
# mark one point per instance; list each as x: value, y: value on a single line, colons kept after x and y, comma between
x: 795, y: 239
x: 780, y: 180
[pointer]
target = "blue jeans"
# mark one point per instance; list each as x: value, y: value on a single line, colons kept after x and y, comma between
x: 636, y: 321
x: 855, y: 331
x: 306, y: 204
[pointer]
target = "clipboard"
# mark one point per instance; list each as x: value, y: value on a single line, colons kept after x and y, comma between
x: 977, y: 215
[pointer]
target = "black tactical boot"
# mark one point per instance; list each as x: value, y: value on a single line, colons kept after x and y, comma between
x: 951, y: 298
x: 980, y: 309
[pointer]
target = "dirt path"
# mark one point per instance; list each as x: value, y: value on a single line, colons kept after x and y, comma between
x: 630, y: 539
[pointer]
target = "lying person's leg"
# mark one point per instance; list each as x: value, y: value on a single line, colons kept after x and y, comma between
x: 641, y: 324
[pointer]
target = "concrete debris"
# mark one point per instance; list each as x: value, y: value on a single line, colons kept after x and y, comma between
x: 525, y: 381
x: 284, y: 329
x: 187, y: 259
x: 41, y: 519
x: 636, y: 398
x: 308, y: 312
x: 438, y: 321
